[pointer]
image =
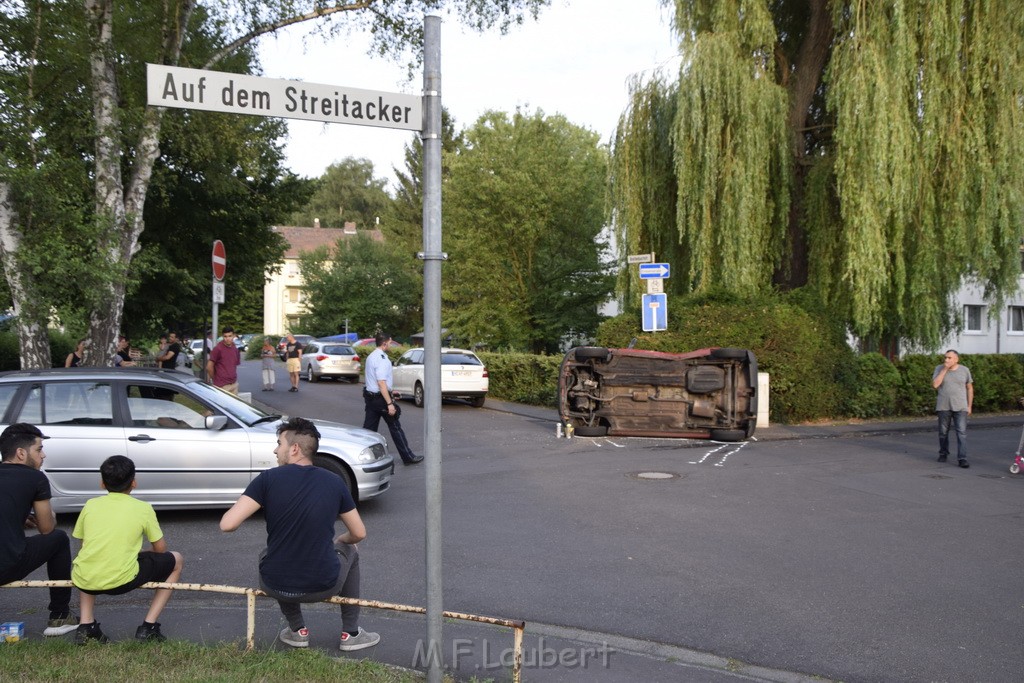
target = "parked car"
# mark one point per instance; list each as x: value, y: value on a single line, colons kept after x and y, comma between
x: 463, y: 375
x: 194, y: 446
x: 705, y: 394
x: 329, y: 359
x: 301, y: 338
x: 368, y: 341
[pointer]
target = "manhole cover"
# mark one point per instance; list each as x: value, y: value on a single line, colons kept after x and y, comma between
x: 654, y: 476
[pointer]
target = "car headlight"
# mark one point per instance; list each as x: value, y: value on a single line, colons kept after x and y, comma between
x: 372, y: 453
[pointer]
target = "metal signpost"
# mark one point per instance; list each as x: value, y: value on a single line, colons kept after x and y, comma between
x: 178, y: 87
x: 219, y: 261
x: 654, y: 305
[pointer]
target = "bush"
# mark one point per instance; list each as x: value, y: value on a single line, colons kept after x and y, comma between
x: 804, y: 352
x: 877, y: 388
x: 523, y: 377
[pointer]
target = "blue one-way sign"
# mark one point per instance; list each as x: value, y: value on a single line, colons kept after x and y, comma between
x: 650, y: 271
x: 655, y: 312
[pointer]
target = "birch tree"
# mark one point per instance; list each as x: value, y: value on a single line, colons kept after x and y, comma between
x: 94, y: 52
x: 870, y: 150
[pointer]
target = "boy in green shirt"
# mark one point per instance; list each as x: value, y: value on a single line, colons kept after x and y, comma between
x: 110, y: 562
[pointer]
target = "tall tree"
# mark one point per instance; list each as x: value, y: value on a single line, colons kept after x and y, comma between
x: 869, y: 149
x: 370, y: 284
x: 52, y: 47
x: 346, y: 192
x: 523, y: 214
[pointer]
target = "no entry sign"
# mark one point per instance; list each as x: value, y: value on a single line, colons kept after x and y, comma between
x: 220, y: 260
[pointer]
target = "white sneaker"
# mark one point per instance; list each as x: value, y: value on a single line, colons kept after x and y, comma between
x: 58, y: 627
x: 361, y: 640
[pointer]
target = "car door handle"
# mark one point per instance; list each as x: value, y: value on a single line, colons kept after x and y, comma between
x: 142, y: 438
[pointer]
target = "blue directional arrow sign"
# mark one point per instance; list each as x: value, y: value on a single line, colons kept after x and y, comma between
x: 650, y: 271
x: 655, y: 312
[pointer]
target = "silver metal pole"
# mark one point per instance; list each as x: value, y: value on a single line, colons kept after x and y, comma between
x: 432, y: 258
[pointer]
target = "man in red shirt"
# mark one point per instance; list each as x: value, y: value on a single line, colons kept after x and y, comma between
x: 222, y: 367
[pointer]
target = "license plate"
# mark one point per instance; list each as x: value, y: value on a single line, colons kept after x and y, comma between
x: 461, y: 373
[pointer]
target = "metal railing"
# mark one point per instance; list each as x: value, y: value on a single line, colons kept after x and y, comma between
x: 251, y: 594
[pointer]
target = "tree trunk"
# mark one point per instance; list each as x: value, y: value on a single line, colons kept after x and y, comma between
x: 33, y: 335
x: 807, y: 74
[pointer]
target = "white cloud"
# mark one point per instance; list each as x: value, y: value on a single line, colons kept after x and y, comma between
x: 575, y: 61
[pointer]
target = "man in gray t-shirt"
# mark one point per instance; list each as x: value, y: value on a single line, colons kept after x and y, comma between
x: 953, y: 404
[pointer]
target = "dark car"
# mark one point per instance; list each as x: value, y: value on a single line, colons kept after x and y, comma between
x: 705, y: 394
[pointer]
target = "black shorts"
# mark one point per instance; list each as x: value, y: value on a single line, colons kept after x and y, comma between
x: 152, y: 567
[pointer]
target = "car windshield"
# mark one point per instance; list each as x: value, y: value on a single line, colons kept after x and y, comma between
x: 335, y: 350
x: 452, y: 358
x: 230, y: 404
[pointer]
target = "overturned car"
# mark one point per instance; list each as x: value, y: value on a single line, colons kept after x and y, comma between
x: 705, y: 394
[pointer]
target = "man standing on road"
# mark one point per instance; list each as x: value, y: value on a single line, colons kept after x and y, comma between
x: 380, y: 402
x: 293, y: 360
x: 222, y: 367
x: 304, y: 561
x: 25, y: 504
x: 169, y: 358
x: 953, y: 404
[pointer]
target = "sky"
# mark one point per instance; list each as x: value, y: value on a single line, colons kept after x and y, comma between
x: 575, y: 60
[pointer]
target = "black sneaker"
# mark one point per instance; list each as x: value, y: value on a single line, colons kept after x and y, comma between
x: 148, y: 633
x: 963, y: 463
x: 90, y: 632
x: 942, y: 458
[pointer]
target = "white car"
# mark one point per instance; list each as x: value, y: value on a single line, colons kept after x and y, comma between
x: 463, y: 375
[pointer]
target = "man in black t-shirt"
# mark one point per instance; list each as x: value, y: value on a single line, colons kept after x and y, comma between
x: 25, y: 504
x: 169, y: 359
x: 304, y: 561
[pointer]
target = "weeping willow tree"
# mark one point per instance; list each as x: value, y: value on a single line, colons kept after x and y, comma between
x: 871, y: 150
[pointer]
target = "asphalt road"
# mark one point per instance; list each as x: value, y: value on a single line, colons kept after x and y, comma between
x: 855, y: 557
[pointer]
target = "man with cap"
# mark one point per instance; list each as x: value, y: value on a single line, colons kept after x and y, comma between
x: 25, y: 504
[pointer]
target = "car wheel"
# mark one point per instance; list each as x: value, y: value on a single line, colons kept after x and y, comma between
x: 727, y: 353
x: 585, y: 352
x: 333, y: 466
x: 310, y: 375
x: 584, y: 430
x: 417, y: 395
x: 728, y: 434
x: 477, y: 401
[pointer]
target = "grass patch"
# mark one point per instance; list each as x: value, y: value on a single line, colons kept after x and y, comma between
x: 177, y: 660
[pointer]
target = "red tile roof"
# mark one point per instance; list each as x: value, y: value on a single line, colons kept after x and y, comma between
x: 301, y: 240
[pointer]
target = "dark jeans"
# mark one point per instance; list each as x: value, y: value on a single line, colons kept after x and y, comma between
x: 347, y: 586
x: 957, y: 419
x: 377, y: 408
x: 53, y: 550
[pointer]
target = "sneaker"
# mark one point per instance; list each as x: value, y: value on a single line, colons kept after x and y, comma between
x: 361, y: 640
x: 88, y: 632
x: 298, y: 638
x: 61, y: 625
x: 963, y: 463
x: 148, y: 633
x: 942, y: 458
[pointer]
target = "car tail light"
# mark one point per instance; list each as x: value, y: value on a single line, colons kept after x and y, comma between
x: 485, y: 371
x: 321, y: 357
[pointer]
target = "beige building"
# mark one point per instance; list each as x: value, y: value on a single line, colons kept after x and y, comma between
x: 283, y: 297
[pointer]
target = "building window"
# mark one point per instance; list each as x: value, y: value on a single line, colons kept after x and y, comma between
x: 294, y: 295
x: 1015, y: 321
x: 972, y: 318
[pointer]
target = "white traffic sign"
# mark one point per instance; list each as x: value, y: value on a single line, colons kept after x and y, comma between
x: 181, y: 88
x: 655, y: 285
x: 655, y: 312
x: 218, y: 292
x: 639, y: 258
x: 654, y: 270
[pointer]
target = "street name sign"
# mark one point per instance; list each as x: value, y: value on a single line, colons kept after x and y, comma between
x: 639, y: 258
x: 655, y: 312
x: 654, y: 270
x: 182, y: 88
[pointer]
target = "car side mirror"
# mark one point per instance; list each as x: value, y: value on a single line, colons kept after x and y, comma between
x: 216, y: 421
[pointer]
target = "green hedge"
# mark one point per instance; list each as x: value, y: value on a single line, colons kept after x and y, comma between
x: 810, y: 364
x: 877, y: 387
x: 523, y: 377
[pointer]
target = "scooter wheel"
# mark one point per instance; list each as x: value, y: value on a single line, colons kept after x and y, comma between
x: 1014, y: 468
